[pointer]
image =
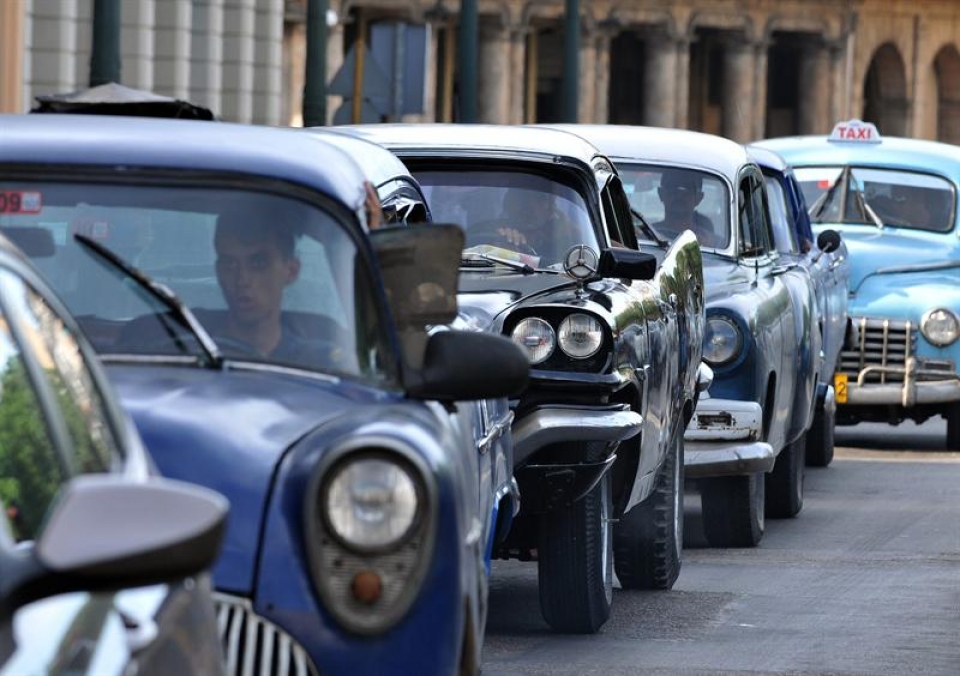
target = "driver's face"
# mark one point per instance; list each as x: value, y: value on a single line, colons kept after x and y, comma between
x: 252, y: 276
x: 680, y: 197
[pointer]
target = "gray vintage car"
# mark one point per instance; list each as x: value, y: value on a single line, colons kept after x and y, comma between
x: 614, y: 342
x: 747, y: 439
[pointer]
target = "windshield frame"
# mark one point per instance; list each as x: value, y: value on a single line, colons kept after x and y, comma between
x: 173, y: 177
x: 844, y: 172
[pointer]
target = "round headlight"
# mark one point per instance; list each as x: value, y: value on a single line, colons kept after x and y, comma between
x: 371, y: 503
x: 941, y: 327
x: 536, y: 337
x: 580, y: 336
x: 721, y: 341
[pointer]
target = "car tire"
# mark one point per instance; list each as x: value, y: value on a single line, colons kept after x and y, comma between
x: 733, y: 510
x: 575, y: 559
x: 953, y: 427
x: 648, y: 540
x: 820, y: 439
x: 784, y: 490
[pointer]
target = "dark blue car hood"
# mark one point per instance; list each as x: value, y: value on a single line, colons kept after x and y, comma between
x: 228, y: 430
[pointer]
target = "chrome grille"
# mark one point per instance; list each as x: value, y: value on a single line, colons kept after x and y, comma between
x: 880, y: 345
x: 252, y: 645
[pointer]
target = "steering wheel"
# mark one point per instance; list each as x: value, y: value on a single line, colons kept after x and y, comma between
x: 489, y: 232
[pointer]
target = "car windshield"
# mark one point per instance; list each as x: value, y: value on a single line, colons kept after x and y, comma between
x: 870, y: 196
x: 511, y: 215
x: 673, y: 200
x: 271, y: 279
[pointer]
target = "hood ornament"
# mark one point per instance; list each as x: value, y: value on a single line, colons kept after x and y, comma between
x: 581, y: 263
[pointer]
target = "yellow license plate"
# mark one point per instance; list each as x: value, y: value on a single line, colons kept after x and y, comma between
x: 840, y: 387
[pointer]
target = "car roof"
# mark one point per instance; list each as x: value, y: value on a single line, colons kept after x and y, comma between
x: 477, y: 139
x: 102, y: 140
x: 892, y: 151
x: 379, y: 164
x: 767, y: 159
x: 661, y: 145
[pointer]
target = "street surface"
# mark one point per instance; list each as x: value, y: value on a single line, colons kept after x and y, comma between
x: 866, y: 580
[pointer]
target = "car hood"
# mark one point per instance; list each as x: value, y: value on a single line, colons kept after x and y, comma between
x: 907, y: 295
x: 872, y: 249
x: 228, y: 430
x: 482, y: 296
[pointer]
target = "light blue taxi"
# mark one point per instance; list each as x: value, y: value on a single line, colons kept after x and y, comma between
x: 895, y: 201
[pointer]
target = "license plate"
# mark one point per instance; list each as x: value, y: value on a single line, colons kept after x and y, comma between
x: 840, y: 387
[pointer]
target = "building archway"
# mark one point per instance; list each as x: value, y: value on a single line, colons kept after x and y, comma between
x: 885, y: 92
x: 947, y: 68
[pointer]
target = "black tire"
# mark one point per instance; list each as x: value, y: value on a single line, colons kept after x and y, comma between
x: 648, y: 540
x: 784, y: 490
x: 575, y: 560
x: 820, y: 439
x: 733, y: 510
x: 953, y: 427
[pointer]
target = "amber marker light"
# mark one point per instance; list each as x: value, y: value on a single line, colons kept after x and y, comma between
x: 366, y: 587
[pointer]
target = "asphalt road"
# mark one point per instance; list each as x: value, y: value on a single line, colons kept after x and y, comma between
x: 866, y: 580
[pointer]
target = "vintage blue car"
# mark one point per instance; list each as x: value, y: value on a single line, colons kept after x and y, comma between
x: 828, y: 265
x: 746, y: 442
x: 103, y: 564
x: 270, y: 347
x: 613, y: 340
x: 895, y: 201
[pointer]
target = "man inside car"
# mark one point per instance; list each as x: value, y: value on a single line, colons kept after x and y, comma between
x: 681, y: 192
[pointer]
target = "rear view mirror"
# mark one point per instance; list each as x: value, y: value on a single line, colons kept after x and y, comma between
x: 420, y: 266
x: 828, y: 241
x: 627, y: 264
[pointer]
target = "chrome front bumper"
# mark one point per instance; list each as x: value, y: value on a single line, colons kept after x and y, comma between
x: 908, y: 393
x: 712, y: 458
x: 554, y: 424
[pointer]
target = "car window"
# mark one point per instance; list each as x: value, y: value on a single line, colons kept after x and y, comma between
x: 658, y: 193
x: 549, y: 216
x: 872, y: 196
x: 755, y: 233
x: 780, y: 216
x: 273, y: 279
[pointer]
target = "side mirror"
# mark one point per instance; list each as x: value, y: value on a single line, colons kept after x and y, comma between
x: 465, y: 366
x: 107, y: 533
x: 828, y: 241
x: 627, y: 264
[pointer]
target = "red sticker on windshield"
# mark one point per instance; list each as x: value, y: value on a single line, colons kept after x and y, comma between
x: 20, y: 202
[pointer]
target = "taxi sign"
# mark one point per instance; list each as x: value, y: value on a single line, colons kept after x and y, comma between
x: 855, y: 131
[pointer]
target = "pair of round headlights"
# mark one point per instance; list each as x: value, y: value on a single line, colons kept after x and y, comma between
x: 579, y: 336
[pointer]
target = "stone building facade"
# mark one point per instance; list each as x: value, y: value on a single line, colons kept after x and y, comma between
x: 745, y: 69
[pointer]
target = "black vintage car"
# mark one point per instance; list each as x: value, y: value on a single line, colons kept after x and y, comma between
x: 614, y: 343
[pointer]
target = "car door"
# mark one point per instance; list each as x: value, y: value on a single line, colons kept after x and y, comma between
x: 56, y: 424
x: 774, y: 320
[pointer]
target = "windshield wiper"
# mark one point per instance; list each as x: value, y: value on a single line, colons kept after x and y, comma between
x: 817, y: 207
x: 525, y: 268
x: 163, y: 294
x: 867, y: 210
x: 649, y: 229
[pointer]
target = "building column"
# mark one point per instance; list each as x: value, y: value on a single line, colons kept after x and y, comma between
x: 814, y: 110
x: 12, y: 14
x: 660, y: 81
x: 761, y: 51
x: 206, y: 54
x: 239, y: 42
x: 53, y: 47
x: 518, y: 66
x: 601, y: 108
x: 587, y: 97
x: 268, y: 62
x: 137, y: 44
x: 171, y: 68
x: 494, y: 61
x: 739, y: 92
x: 681, y: 118
x: 837, y: 52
